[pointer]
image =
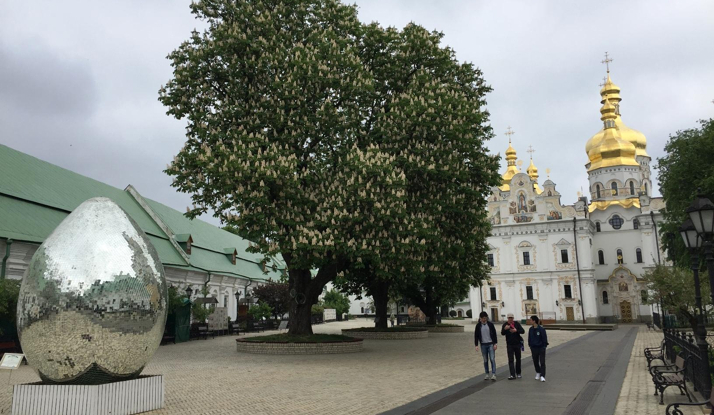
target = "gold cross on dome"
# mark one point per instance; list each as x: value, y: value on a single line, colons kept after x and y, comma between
x: 531, y: 150
x: 509, y: 133
x: 547, y: 171
x: 607, y: 62
x: 604, y: 81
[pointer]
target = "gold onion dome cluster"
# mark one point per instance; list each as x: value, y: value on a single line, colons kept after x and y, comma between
x: 511, y: 169
x: 611, y: 92
x: 612, y: 149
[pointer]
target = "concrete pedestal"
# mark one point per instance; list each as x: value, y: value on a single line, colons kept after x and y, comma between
x: 118, y: 398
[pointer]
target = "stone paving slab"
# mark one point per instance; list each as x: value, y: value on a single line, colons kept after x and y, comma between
x: 209, y: 376
x: 586, y: 364
x: 637, y: 393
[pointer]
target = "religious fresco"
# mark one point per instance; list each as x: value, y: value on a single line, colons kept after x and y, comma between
x: 553, y: 214
x: 496, y: 218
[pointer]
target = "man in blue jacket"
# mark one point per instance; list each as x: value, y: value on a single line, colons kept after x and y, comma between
x: 538, y: 341
x: 485, y: 334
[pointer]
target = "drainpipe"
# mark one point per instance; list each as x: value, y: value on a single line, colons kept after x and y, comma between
x: 8, y: 243
x: 654, y: 224
x: 577, y: 265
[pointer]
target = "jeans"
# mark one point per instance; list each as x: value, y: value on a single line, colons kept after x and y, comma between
x: 539, y: 360
x: 488, y: 353
x: 514, y: 351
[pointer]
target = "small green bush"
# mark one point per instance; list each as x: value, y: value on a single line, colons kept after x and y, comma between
x: 452, y: 313
x: 260, y: 310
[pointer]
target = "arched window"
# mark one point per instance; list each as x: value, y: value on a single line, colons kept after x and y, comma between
x: 632, y: 188
x: 597, y: 226
x: 619, y: 256
x: 638, y: 252
x: 597, y: 191
x: 605, y: 300
x: 646, y: 192
x: 600, y: 257
x: 614, y: 188
x: 635, y: 223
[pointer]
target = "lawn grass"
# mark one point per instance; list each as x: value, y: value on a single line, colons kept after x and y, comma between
x: 388, y: 329
x: 310, y: 338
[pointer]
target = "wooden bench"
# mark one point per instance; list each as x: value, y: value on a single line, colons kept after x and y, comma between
x: 234, y: 328
x: 673, y: 408
x: 654, y: 353
x: 205, y: 332
x: 670, y: 375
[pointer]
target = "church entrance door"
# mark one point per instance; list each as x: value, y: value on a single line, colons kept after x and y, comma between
x: 626, y: 312
x: 461, y: 313
x: 494, y: 315
x: 569, y: 314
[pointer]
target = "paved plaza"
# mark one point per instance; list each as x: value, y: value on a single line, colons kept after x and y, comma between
x: 588, y: 372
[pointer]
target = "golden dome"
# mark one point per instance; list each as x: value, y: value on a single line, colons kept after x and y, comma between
x: 532, y: 171
x: 612, y: 93
x: 611, y: 149
x: 511, y: 169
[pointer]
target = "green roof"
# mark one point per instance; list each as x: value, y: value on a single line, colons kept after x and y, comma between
x: 35, y: 196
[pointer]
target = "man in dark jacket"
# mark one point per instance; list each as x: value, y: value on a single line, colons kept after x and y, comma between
x: 538, y: 341
x: 485, y: 334
x: 513, y: 330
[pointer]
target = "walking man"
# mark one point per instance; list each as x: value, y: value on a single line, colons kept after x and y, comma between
x: 538, y: 341
x: 485, y: 334
x: 514, y: 342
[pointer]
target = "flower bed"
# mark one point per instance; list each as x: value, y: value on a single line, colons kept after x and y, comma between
x: 395, y: 333
x: 284, y: 344
x: 445, y: 328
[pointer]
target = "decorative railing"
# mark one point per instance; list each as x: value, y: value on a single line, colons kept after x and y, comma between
x: 697, y: 367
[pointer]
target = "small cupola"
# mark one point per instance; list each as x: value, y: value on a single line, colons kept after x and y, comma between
x: 231, y: 254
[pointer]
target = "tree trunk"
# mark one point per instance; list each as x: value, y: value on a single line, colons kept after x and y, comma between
x: 380, y: 294
x: 430, y: 311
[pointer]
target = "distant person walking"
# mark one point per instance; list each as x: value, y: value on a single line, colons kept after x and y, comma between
x: 514, y: 343
x: 538, y: 341
x: 485, y: 334
x: 391, y: 318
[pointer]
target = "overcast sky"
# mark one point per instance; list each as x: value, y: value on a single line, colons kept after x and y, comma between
x: 79, y: 78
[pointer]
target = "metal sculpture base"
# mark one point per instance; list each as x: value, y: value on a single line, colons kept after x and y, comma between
x: 127, y: 397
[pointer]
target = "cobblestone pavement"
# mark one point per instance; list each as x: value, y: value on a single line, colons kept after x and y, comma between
x: 637, y: 394
x: 210, y: 376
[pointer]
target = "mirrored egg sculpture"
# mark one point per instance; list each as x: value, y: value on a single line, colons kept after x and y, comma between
x: 92, y: 305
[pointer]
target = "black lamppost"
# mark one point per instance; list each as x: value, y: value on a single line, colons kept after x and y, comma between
x: 237, y: 294
x: 189, y: 292
x: 693, y: 242
x: 701, y: 212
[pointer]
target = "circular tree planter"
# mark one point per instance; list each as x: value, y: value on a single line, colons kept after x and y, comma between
x: 446, y: 328
x: 401, y: 333
x: 282, y: 344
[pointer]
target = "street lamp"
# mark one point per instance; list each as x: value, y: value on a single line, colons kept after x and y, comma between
x: 701, y: 212
x: 693, y: 242
x: 237, y: 294
x: 189, y: 292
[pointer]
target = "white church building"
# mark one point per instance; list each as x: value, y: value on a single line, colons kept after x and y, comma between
x: 580, y: 262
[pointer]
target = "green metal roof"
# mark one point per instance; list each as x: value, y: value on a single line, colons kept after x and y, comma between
x: 35, y: 196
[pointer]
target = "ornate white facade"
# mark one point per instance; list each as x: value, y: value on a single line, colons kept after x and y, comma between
x: 582, y: 261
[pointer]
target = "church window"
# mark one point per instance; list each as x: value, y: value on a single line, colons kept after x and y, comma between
x: 632, y: 188
x: 529, y: 292
x: 638, y: 252
x: 597, y: 191
x: 402, y: 309
x: 493, y: 294
x: 564, y: 256
x: 616, y: 222
x: 362, y: 310
x: 490, y: 259
x: 643, y: 295
x: 619, y: 256
x: 225, y: 301
x: 636, y: 223
x: 597, y: 226
x: 614, y: 188
x: 526, y: 258
x: 605, y: 300
x: 600, y: 257
x: 646, y: 188
x: 568, y: 291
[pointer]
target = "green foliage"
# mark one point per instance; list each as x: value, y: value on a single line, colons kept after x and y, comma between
x: 260, y: 311
x: 275, y: 294
x: 469, y: 313
x: 9, y: 292
x: 452, y: 313
x: 673, y: 287
x: 344, y: 147
x: 317, y: 309
x: 176, y: 299
x: 338, y: 301
x: 200, y: 313
x: 684, y: 171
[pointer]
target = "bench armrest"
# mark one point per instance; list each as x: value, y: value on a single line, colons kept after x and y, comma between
x: 673, y: 408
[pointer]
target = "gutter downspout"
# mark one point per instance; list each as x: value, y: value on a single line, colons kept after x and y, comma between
x: 8, y: 244
x: 654, y: 224
x: 577, y: 265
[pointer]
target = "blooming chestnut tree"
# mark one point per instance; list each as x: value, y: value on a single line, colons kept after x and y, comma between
x: 297, y: 141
